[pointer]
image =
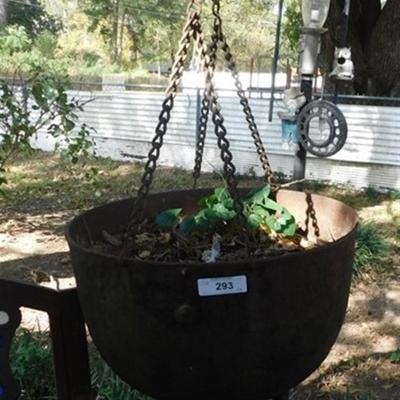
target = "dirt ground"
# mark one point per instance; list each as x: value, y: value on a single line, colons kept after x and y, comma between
x: 33, y: 249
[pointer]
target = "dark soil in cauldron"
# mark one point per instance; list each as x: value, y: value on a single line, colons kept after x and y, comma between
x: 154, y: 244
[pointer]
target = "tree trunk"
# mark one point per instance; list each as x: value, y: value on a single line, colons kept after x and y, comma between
x: 115, y: 30
x: 3, y: 13
x: 121, y: 36
x: 384, y: 53
x: 134, y: 49
x: 364, y: 16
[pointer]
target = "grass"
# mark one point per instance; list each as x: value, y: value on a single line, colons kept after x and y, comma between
x: 45, y: 183
x: 31, y: 358
x: 371, y: 247
x: 32, y: 361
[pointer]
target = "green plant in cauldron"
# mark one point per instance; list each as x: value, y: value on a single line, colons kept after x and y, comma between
x: 214, y: 233
x: 262, y: 213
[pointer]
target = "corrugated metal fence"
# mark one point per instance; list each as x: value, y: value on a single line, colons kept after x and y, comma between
x: 125, y: 122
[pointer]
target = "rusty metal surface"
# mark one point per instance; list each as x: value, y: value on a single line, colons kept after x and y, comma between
x: 159, y: 335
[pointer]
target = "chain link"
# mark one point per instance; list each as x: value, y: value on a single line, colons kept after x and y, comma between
x: 247, y: 111
x: 311, y: 215
x: 218, y: 36
x: 209, y: 58
x: 221, y: 132
x: 189, y: 30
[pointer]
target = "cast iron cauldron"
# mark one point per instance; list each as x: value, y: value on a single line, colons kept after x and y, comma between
x: 152, y: 327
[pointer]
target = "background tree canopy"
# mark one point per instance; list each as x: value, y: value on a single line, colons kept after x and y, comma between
x: 375, y: 41
x: 91, y: 37
x: 96, y: 36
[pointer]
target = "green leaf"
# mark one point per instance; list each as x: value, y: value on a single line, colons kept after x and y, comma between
x: 272, y: 205
x: 69, y: 125
x: 188, y: 226
x: 169, y: 218
x: 260, y: 211
x: 395, y: 357
x: 206, y: 217
x: 223, y: 212
x: 220, y: 195
x: 290, y: 227
x: 273, y: 223
x: 258, y: 195
x: 284, y: 224
x: 254, y: 221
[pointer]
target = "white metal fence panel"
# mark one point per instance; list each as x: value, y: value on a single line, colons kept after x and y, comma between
x: 125, y: 123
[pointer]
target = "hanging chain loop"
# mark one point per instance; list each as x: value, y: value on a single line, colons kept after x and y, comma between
x: 248, y: 112
x: 208, y: 63
x: 194, y: 10
x: 210, y: 103
x: 219, y: 37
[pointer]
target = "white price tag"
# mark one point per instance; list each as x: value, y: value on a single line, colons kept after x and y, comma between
x: 222, y: 286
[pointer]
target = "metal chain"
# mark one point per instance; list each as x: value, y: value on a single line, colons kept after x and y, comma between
x: 218, y: 36
x: 189, y: 30
x: 209, y: 58
x: 220, y: 130
x: 247, y: 111
x: 311, y: 215
x: 217, y: 118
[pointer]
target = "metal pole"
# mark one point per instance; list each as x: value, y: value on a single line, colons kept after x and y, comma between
x: 300, y: 155
x: 346, y: 23
x: 276, y: 59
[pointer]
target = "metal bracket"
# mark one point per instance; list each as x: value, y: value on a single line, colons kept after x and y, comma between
x: 68, y: 335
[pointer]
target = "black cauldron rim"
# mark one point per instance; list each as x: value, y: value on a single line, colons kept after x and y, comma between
x: 128, y: 261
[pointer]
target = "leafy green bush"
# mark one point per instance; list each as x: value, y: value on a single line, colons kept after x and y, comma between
x: 40, y: 102
x: 370, y: 247
x: 32, y: 362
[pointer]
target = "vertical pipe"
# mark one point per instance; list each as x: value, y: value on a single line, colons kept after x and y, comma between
x: 300, y: 156
x: 276, y: 59
x: 346, y: 22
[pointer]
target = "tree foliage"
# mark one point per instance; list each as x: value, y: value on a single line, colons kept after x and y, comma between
x: 142, y: 23
x: 33, y: 17
x: 293, y: 22
x: 36, y: 100
x: 152, y: 27
x: 40, y: 102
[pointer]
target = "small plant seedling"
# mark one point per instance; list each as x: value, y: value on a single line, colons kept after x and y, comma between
x: 395, y: 357
x: 262, y: 213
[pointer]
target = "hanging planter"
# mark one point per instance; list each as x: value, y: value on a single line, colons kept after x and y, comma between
x: 212, y: 293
